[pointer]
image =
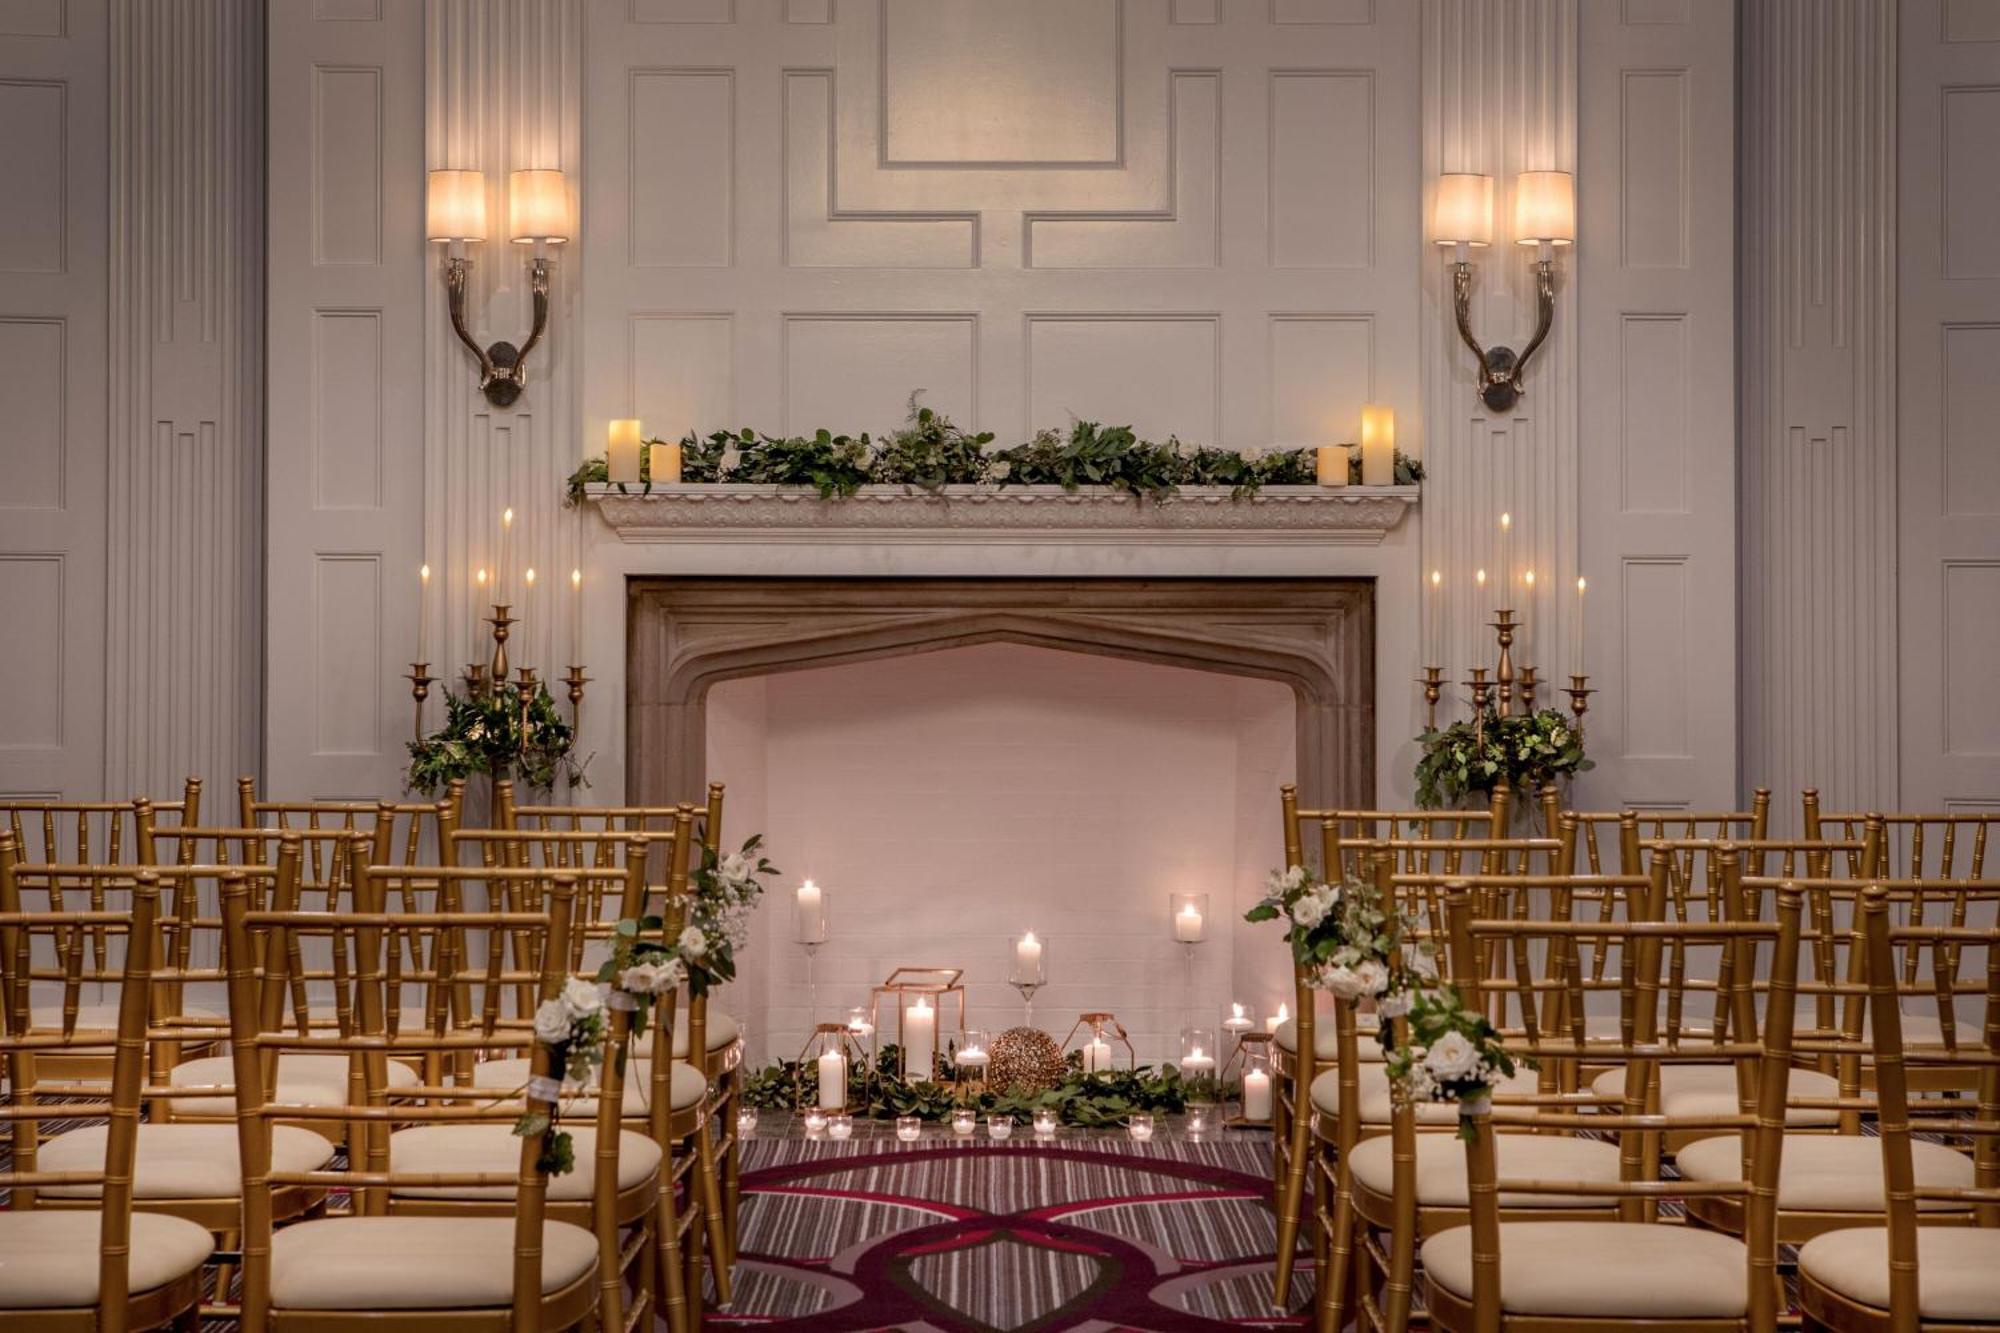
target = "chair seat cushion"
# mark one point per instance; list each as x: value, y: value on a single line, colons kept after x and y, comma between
x: 722, y: 1031
x: 415, y: 1263
x: 1625, y: 1270
x: 1441, y: 1179
x: 1829, y: 1173
x: 179, y: 1161
x: 304, y: 1079
x: 464, y: 1149
x: 48, y: 1257
x: 1958, y: 1269
x: 688, y: 1087
x: 1710, y: 1090
x: 1373, y: 1081
x: 1326, y: 1043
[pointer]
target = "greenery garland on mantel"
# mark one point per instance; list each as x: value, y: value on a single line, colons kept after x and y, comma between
x: 931, y: 452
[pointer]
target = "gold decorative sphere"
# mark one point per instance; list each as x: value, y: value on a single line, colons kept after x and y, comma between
x: 1025, y: 1060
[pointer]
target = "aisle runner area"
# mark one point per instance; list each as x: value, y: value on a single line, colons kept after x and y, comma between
x: 1087, y: 1234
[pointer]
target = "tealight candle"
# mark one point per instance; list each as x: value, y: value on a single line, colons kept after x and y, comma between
x: 964, y: 1120
x: 974, y: 1057
x: 859, y: 1023
x: 1141, y: 1126
x: 815, y: 1121
x: 1045, y: 1121
x: 840, y: 1126
x: 746, y: 1122
x: 999, y: 1126
x: 1197, y: 1120
x: 1196, y: 1061
x: 909, y: 1128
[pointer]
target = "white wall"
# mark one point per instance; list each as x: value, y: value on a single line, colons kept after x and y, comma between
x: 1075, y: 793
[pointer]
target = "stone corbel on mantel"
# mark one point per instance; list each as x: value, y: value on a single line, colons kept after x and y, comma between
x: 1273, y: 515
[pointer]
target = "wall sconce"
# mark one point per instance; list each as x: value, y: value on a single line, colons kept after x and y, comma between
x: 1544, y: 216
x: 538, y: 215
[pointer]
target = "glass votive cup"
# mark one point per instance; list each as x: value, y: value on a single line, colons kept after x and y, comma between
x: 1141, y: 1125
x: 999, y: 1126
x: 840, y: 1126
x: 964, y: 1120
x: 909, y: 1128
x: 1045, y: 1122
x: 1197, y: 1119
x: 815, y: 1121
x: 746, y: 1122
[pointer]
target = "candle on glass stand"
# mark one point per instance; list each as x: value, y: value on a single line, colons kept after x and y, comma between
x: 1240, y: 1018
x: 1028, y: 974
x: 1331, y: 463
x: 621, y: 453
x: 1188, y: 923
x: 1378, y: 446
x: 809, y: 932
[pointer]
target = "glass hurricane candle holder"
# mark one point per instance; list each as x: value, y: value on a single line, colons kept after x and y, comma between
x: 840, y: 1126
x: 1028, y: 972
x: 971, y: 1052
x: 1197, y: 1119
x: 1045, y: 1122
x: 999, y: 1126
x: 1189, y: 916
x: 1140, y: 1126
x: 1199, y: 1064
x: 1098, y: 1039
x: 859, y: 1023
x: 964, y: 1120
x: 1257, y: 1084
x: 909, y: 1128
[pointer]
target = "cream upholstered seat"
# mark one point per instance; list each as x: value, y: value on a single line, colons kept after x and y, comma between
x: 1373, y: 1081
x: 722, y: 1031
x: 468, y: 1149
x: 49, y: 1257
x: 688, y: 1087
x: 1829, y: 1173
x: 1958, y: 1269
x: 1441, y: 1175
x: 1696, y: 1091
x: 1326, y: 1042
x: 1634, y: 1270
x: 179, y: 1161
x: 303, y: 1080
x: 415, y: 1263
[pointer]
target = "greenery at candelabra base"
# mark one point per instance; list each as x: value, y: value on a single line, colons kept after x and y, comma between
x: 490, y: 733
x: 1087, y: 1101
x: 929, y: 452
x: 1526, y: 751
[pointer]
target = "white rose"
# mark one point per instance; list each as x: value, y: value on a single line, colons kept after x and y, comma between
x: 582, y: 997
x: 1344, y: 982
x: 1372, y: 976
x: 1452, y: 1057
x: 552, y: 1021
x: 693, y: 943
x: 640, y: 979
x: 1393, y: 1006
x: 1309, y: 911
x: 735, y: 866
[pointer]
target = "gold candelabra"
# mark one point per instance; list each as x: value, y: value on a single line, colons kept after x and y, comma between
x: 482, y: 679
x: 1508, y: 689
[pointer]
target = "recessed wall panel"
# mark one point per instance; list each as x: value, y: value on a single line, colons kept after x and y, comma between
x: 1971, y: 21
x: 347, y: 653
x: 1322, y: 176
x: 347, y: 409
x: 682, y: 173
x: 1653, y: 443
x: 682, y: 374
x: 1637, y: 13
x: 1971, y: 182
x: 1971, y: 647
x: 34, y: 155
x: 1322, y: 370
x: 1654, y: 605
x: 1160, y: 375
x: 1323, y: 11
x: 32, y: 393
x: 1971, y: 407
x: 808, y: 11
x: 1653, y: 205
x: 31, y: 652
x: 347, y: 11
x: 856, y: 372
x: 347, y: 116
x: 683, y: 11
x: 1030, y: 81
x: 32, y: 18
x: 1196, y: 11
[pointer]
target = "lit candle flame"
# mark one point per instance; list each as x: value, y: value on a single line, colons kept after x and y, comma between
x: 424, y: 573
x: 479, y: 579
x: 1437, y: 577
x: 1529, y: 579
x: 576, y: 578
x: 530, y: 577
x: 1580, y: 586
x: 1479, y: 577
x: 507, y: 517
x: 1506, y: 521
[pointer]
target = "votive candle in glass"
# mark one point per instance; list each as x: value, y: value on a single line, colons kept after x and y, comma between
x: 815, y: 1121
x: 840, y: 1126
x: 1141, y: 1125
x: 1045, y: 1121
x: 909, y: 1128
x: 746, y: 1122
x: 964, y: 1120
x: 999, y: 1126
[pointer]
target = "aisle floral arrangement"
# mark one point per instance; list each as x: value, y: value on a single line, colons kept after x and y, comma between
x: 1526, y: 751
x: 1452, y: 1054
x: 492, y: 733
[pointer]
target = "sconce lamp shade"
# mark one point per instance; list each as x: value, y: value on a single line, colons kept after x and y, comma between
x: 1463, y: 214
x: 1544, y: 208
x: 455, y: 206
x: 538, y: 207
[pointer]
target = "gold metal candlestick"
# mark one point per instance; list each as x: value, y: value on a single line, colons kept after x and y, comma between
x: 1528, y: 684
x: 500, y: 620
x: 1482, y: 690
x: 420, y: 690
x: 1503, y: 630
x: 475, y: 679
x: 1433, y: 683
x: 1579, y: 693
x: 576, y: 680
x: 524, y: 691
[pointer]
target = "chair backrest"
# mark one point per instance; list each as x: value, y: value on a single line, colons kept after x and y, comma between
x: 90, y: 832
x: 22, y: 1047
x: 1604, y: 835
x: 408, y: 831
x: 610, y: 878
x: 657, y: 819
x: 1945, y: 949
x: 1947, y: 844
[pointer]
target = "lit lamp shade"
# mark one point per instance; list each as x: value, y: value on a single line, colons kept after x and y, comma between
x: 1544, y: 208
x: 1463, y: 214
x: 455, y: 206
x: 538, y: 207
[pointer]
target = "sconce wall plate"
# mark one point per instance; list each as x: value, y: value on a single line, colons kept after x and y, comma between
x: 1501, y: 368
x: 503, y: 367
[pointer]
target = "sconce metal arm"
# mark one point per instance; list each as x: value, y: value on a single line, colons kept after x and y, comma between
x: 502, y: 367
x: 1500, y: 368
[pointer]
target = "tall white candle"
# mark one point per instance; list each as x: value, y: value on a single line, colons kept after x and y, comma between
x: 424, y: 614
x: 506, y: 566
x: 576, y: 617
x: 1096, y: 1055
x: 832, y: 1081
x: 1187, y: 924
x: 1434, y: 620
x: 811, y: 929
x: 1028, y: 956
x: 481, y: 592
x: 1506, y: 555
x: 919, y: 1041
x: 1577, y: 655
x: 528, y: 601
x: 1257, y: 1096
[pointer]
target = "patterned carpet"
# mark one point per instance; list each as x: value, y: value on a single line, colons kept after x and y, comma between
x: 1080, y: 1233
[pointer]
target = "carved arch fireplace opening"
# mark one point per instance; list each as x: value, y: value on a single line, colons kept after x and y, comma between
x: 1315, y: 636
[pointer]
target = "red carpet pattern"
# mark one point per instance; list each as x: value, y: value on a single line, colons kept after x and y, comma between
x: 984, y: 1237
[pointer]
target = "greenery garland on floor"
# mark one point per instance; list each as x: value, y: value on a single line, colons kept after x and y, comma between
x: 1087, y: 1101
x: 930, y: 452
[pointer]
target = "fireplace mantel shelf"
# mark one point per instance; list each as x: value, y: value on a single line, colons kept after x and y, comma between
x: 1274, y: 515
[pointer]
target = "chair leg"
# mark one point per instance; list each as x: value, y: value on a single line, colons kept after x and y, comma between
x: 711, y: 1207
x: 1402, y: 1275
x: 732, y: 1164
x: 1291, y: 1192
x: 1337, y: 1291
x: 670, y: 1278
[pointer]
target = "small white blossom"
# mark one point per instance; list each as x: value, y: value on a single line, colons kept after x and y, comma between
x: 693, y: 943
x: 1342, y: 982
x: 1373, y: 977
x: 1452, y: 1057
x: 735, y: 868
x: 1393, y: 1006
x: 552, y: 1021
x: 582, y: 997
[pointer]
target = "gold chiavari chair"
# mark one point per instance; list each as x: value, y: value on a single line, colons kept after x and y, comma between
x: 368, y: 1268
x: 1640, y: 1270
x: 1298, y: 1050
x: 102, y: 1267
x: 1948, y: 844
x: 1912, y: 1274
x: 90, y: 832
x: 1605, y: 836
x: 1391, y: 1177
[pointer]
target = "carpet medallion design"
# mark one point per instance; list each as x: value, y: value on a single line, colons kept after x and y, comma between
x: 1017, y: 1237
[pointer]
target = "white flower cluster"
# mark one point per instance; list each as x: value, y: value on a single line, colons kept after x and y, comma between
x: 1367, y: 979
x: 652, y: 978
x: 1314, y: 906
x: 574, y: 1018
x: 725, y: 910
x: 1452, y: 1059
x: 1282, y: 882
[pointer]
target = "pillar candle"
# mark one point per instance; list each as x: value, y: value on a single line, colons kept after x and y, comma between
x: 1506, y: 555
x: 1257, y: 1096
x: 809, y: 927
x: 832, y: 1081
x: 621, y: 454
x: 1279, y: 1019
x: 1332, y: 461
x: 665, y: 464
x: 1028, y: 957
x: 1096, y: 1055
x: 1187, y: 924
x: 919, y: 1041
x: 1378, y: 446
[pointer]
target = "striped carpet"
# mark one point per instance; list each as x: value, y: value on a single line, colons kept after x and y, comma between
x: 1082, y: 1233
